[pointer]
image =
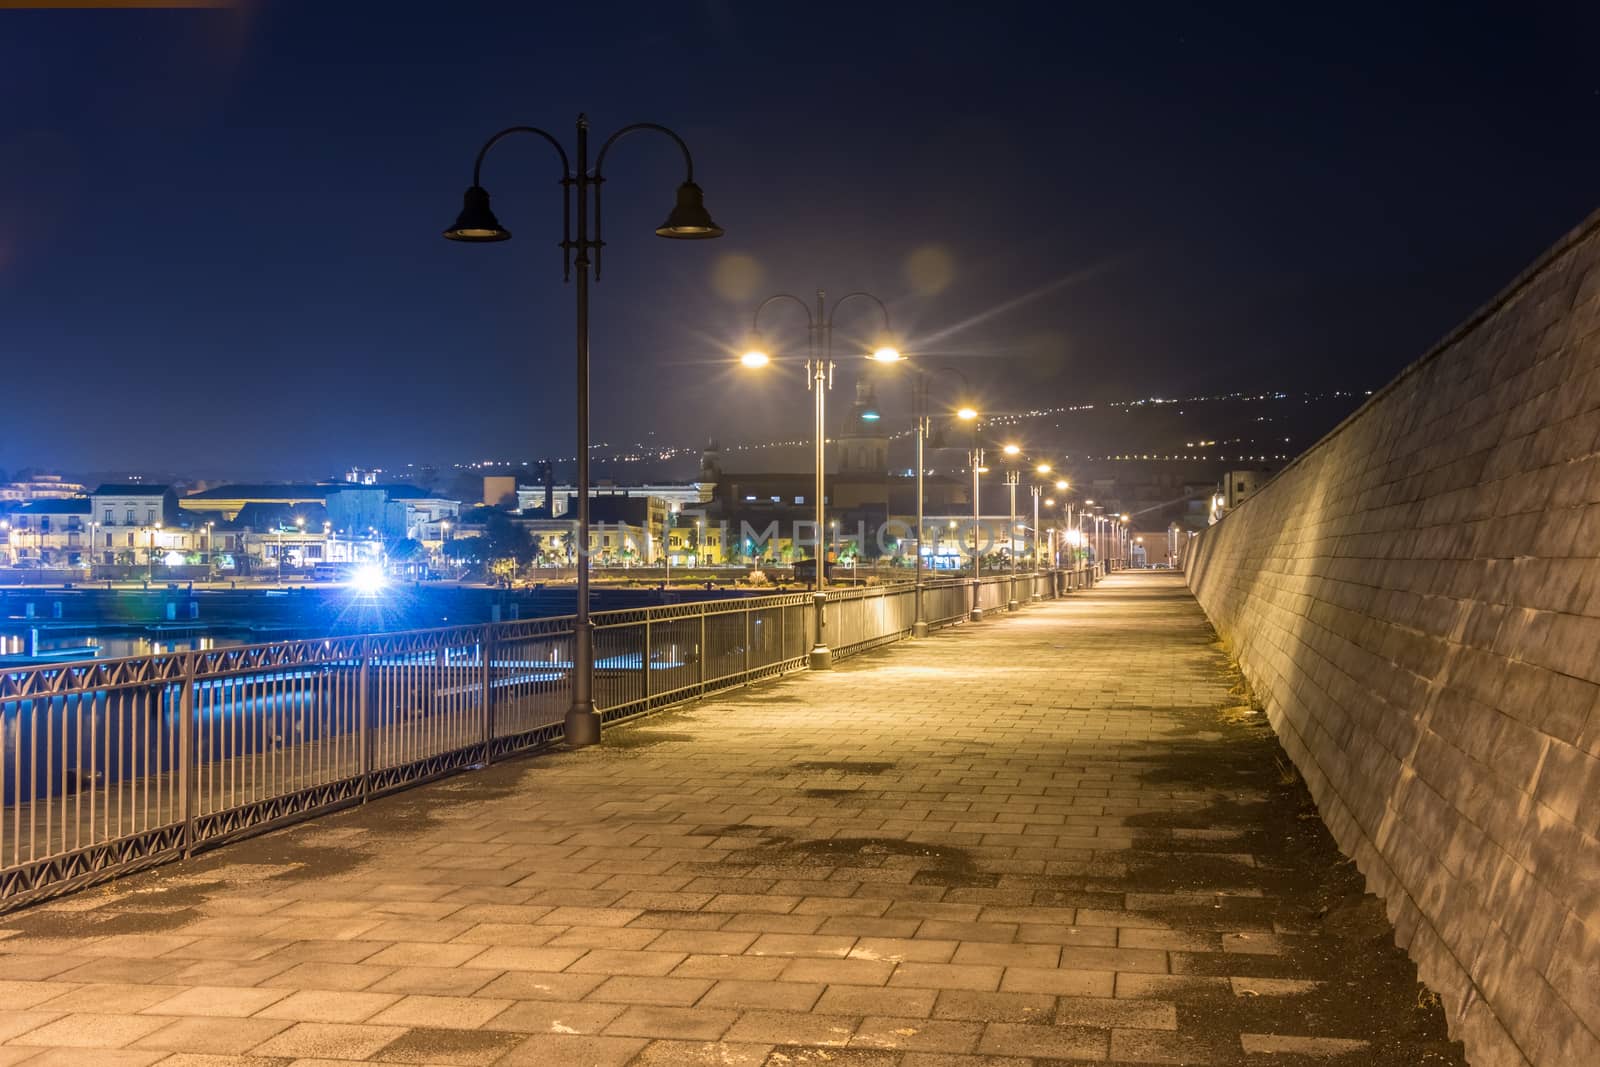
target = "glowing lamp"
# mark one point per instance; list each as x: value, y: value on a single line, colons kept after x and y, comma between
x: 368, y: 579
x: 755, y: 359
x: 1062, y: 484
x: 966, y: 414
x: 1012, y: 450
x: 887, y: 355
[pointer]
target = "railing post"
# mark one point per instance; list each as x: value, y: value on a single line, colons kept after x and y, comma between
x: 364, y: 716
x: 783, y: 635
x: 749, y: 632
x: 188, y: 758
x: 644, y: 661
x: 486, y: 680
x: 702, y: 656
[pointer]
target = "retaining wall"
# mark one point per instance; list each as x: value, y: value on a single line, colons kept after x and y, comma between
x: 1416, y: 601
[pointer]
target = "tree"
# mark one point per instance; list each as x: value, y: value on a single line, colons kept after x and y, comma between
x: 506, y: 540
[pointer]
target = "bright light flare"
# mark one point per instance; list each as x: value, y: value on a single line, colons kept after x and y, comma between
x: 368, y: 579
x: 1012, y: 450
x: 755, y: 358
x: 966, y: 414
x: 1062, y: 485
x: 886, y: 354
x: 1043, y: 468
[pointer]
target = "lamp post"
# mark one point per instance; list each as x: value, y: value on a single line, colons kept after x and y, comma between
x: 919, y: 627
x: 819, y: 378
x: 150, y: 560
x: 975, y: 459
x: 1034, y: 490
x: 688, y: 220
x: 1013, y: 476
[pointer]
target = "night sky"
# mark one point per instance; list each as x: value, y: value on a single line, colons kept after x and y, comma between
x: 219, y: 230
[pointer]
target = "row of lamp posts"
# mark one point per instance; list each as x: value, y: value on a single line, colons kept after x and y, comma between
x: 689, y: 220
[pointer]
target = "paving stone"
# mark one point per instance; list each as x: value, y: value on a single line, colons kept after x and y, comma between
x: 328, y: 1041
x: 773, y: 996
x: 938, y: 1035
x: 542, y: 1050
x: 792, y: 1028
x: 212, y: 1035
x: 702, y: 1054
x: 328, y: 1006
x: 82, y: 1029
x: 556, y: 1017
x: 688, y: 1024
x: 217, y: 1000
x: 461, y: 1048
x: 1055, y: 1042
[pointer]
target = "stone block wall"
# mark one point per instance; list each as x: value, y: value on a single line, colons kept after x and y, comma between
x: 1416, y: 601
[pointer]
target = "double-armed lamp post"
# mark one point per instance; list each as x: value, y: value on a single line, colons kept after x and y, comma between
x: 819, y: 379
x: 688, y: 220
x: 924, y: 420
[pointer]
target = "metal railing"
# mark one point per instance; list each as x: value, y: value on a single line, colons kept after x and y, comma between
x: 110, y: 766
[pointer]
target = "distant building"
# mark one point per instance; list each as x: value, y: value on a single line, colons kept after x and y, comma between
x: 41, y: 487
x: 132, y: 522
x: 355, y: 510
x: 1240, y: 485
x: 50, y: 532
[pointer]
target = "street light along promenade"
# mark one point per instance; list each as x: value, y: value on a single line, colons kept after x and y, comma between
x: 688, y: 220
x: 819, y: 377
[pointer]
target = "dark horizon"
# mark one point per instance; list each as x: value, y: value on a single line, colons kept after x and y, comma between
x: 219, y: 229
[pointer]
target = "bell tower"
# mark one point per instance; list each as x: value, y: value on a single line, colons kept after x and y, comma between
x: 863, y: 443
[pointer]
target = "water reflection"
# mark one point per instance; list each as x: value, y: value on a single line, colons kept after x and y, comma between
x: 55, y: 646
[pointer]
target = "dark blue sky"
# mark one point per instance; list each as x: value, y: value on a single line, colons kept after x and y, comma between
x: 219, y: 230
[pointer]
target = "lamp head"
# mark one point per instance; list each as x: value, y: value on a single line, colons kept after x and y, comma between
x: 689, y: 220
x: 886, y: 354
x: 966, y: 414
x: 476, y: 222
x: 1043, y: 468
x: 1012, y: 450
x: 1062, y: 485
x: 755, y: 358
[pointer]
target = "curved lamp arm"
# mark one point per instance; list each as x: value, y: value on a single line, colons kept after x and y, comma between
x: 755, y: 320
x: 566, y: 186
x: 600, y: 160
x: 881, y: 307
x: 477, y: 164
x: 599, y: 176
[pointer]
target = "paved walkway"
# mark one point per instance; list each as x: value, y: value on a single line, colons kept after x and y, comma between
x: 1042, y: 839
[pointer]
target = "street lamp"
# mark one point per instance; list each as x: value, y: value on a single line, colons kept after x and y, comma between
x: 1013, y: 476
x: 924, y: 425
x: 688, y: 220
x: 150, y: 560
x: 819, y: 378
